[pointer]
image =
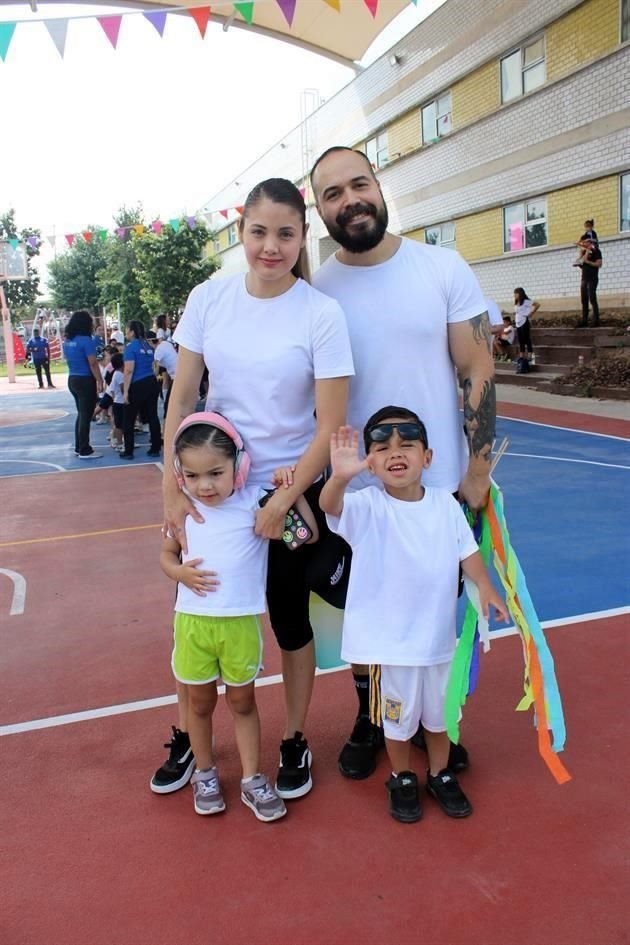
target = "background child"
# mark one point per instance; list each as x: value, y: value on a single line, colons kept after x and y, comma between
x: 586, y: 241
x: 506, y: 338
x: 407, y: 543
x: 217, y: 625
x: 117, y: 393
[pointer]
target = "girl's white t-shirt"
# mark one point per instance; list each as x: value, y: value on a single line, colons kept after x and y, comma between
x: 227, y: 543
x: 263, y: 358
x: 522, y: 312
x: 401, y: 608
x: 116, y: 389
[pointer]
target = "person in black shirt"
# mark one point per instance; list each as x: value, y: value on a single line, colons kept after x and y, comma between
x: 591, y: 264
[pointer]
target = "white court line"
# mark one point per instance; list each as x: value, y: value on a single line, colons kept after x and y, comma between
x: 551, y: 426
x: 126, y: 707
x: 33, y: 462
x: 74, y: 469
x: 567, y: 459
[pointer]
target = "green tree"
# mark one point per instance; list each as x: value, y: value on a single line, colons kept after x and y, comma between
x: 21, y: 295
x: 171, y: 264
x: 118, y: 281
x: 72, y: 275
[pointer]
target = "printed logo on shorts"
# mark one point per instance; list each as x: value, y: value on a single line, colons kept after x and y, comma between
x: 393, y: 710
x: 336, y: 577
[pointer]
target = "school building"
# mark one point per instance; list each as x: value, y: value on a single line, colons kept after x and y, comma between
x: 495, y: 128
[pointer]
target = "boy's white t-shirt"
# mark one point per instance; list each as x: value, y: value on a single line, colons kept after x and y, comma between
x: 263, y: 357
x: 398, y: 313
x: 116, y: 389
x: 402, y: 594
x: 166, y: 356
x: 522, y: 312
x: 228, y: 545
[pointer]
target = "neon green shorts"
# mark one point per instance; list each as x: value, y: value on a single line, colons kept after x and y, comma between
x: 209, y: 648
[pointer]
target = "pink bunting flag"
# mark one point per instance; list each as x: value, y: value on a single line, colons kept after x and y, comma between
x: 200, y: 15
x: 58, y: 30
x: 372, y: 6
x: 87, y: 236
x: 121, y: 232
x: 288, y: 9
x: 303, y: 192
x: 224, y: 213
x: 32, y: 242
x: 70, y: 238
x: 156, y: 226
x: 192, y: 223
x: 158, y: 20
x: 111, y: 27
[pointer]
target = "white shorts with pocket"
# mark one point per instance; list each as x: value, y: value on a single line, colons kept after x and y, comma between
x: 410, y: 695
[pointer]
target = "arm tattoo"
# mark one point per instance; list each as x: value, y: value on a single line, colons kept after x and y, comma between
x: 479, y: 421
x: 482, y: 330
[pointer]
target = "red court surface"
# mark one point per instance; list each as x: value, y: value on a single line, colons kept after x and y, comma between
x: 92, y: 857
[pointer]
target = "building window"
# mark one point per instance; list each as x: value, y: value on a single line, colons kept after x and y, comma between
x: 377, y: 150
x: 217, y: 246
x: 523, y: 70
x: 625, y: 21
x: 232, y: 235
x: 525, y: 225
x: 436, y: 119
x: 624, y: 215
x: 443, y: 235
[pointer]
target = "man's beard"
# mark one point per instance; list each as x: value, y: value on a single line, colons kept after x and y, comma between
x: 368, y: 235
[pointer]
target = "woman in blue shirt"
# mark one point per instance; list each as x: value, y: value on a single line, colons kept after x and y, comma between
x: 84, y: 381
x: 141, y: 389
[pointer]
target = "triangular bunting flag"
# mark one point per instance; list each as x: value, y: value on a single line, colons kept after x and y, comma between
x: 139, y: 228
x: 14, y: 242
x: 121, y: 232
x: 335, y: 4
x: 58, y: 30
x: 224, y: 213
x: 87, y: 236
x: 52, y: 240
x: 200, y: 15
x: 111, y: 27
x: 303, y: 192
x: 102, y: 234
x: 158, y: 20
x: 70, y: 238
x: 32, y: 242
x: 192, y: 223
x: 372, y: 6
x: 175, y: 224
x: 288, y: 9
x: 247, y: 11
x: 239, y: 210
x: 6, y: 35
x: 156, y: 226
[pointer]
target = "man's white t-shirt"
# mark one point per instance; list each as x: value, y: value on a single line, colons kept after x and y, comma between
x: 263, y: 357
x: 166, y: 356
x: 398, y: 313
x: 494, y: 313
x: 522, y: 312
x: 401, y: 607
x: 227, y: 543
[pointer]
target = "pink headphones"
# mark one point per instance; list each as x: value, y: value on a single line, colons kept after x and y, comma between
x: 242, y: 462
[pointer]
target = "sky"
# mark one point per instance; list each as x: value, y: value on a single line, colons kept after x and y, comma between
x: 165, y: 122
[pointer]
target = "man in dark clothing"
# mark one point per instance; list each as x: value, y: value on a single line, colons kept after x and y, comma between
x: 591, y: 264
x: 40, y: 353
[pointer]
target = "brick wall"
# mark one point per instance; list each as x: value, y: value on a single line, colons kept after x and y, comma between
x: 477, y: 95
x: 567, y: 209
x: 404, y: 134
x: 480, y: 235
x: 580, y: 36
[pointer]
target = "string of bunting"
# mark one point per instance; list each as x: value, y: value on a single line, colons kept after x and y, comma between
x: 123, y: 231
x: 539, y: 679
x: 111, y: 24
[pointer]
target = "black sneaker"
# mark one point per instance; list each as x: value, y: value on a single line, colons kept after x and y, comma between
x: 294, y: 774
x: 177, y: 771
x: 457, y: 756
x: 404, y: 797
x: 358, y: 756
x: 447, y: 792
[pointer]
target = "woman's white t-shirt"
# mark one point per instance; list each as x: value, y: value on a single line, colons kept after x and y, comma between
x: 227, y: 543
x: 263, y: 358
x: 401, y: 608
x: 522, y: 312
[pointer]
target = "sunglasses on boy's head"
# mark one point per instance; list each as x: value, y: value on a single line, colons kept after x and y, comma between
x: 407, y: 430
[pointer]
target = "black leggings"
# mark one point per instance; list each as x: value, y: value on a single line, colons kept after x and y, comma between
x: 524, y: 337
x: 143, y: 396
x: 83, y: 389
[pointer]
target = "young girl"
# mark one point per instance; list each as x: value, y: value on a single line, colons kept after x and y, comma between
x: 524, y: 308
x: 117, y: 394
x: 217, y: 622
x: 279, y: 360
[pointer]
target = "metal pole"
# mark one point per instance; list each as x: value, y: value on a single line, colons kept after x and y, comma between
x: 8, y: 336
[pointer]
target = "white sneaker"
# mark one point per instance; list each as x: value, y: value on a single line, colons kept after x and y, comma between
x: 92, y: 455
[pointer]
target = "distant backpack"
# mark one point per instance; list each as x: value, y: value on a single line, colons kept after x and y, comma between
x: 522, y: 366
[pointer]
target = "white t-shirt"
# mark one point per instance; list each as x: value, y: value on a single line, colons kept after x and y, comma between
x: 522, y: 312
x: 263, y: 357
x: 401, y: 608
x: 116, y: 389
x: 398, y: 313
x: 228, y: 545
x: 494, y: 313
x: 166, y: 356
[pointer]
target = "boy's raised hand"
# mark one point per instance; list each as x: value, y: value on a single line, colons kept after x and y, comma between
x: 344, y: 454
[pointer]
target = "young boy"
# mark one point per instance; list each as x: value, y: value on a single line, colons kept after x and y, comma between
x: 407, y: 544
x: 506, y: 338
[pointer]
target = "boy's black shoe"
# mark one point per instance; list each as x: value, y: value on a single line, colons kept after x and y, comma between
x: 358, y: 756
x: 404, y: 797
x: 294, y: 774
x: 177, y: 771
x: 457, y: 756
x: 447, y: 792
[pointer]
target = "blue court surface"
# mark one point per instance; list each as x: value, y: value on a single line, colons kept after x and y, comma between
x: 566, y: 496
